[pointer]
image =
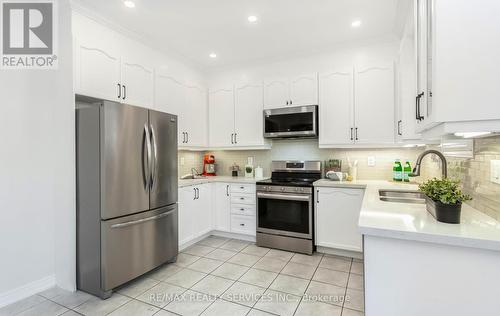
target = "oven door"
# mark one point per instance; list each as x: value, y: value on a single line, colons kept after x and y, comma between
x: 300, y: 121
x: 285, y: 214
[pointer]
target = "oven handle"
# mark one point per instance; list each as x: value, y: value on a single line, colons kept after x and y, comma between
x: 284, y: 196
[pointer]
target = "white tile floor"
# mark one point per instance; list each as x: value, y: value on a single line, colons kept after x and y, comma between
x: 220, y: 276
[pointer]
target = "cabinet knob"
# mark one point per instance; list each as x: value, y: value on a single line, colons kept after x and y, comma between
x: 242, y: 224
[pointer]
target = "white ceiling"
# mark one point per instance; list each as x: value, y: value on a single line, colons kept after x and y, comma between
x: 195, y: 28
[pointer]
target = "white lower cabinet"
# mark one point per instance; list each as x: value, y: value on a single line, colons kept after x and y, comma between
x: 243, y: 224
x: 216, y: 206
x: 195, y: 213
x: 222, y: 207
x: 336, y: 218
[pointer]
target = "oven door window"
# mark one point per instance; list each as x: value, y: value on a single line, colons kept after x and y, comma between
x: 293, y: 122
x: 284, y: 215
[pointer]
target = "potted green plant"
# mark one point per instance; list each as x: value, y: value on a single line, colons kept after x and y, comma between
x: 444, y: 199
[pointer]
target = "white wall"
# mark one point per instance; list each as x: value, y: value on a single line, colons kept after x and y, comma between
x: 37, y: 184
x: 354, y: 53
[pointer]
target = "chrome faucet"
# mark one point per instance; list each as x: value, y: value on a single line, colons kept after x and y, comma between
x: 194, y: 172
x: 444, y: 166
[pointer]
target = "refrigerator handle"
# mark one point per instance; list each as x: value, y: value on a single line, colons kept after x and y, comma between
x: 147, y: 163
x: 154, y: 169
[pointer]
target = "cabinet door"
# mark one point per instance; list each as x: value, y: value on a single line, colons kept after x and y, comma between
x: 196, y: 116
x: 336, y: 117
x: 221, y: 117
x: 171, y: 98
x: 248, y: 107
x: 222, y: 207
x: 304, y: 90
x: 337, y: 215
x: 421, y: 49
x: 406, y: 125
x: 202, y: 220
x: 374, y: 104
x: 276, y: 93
x: 186, y: 214
x: 97, y: 71
x: 138, y: 83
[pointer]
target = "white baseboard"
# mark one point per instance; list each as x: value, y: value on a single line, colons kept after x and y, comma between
x: 27, y: 290
x: 340, y: 252
x: 233, y: 235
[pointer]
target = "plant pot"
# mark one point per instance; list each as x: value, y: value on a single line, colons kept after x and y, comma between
x: 445, y: 213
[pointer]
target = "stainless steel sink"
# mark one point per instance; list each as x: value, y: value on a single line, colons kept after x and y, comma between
x: 402, y: 196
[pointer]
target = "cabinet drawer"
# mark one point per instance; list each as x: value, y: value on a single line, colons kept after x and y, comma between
x: 243, y: 224
x: 243, y: 188
x: 243, y: 199
x: 243, y: 209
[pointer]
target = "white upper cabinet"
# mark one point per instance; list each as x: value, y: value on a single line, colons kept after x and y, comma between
x: 458, y: 62
x: 97, y: 70
x: 171, y: 97
x: 304, y: 90
x: 248, y: 109
x: 137, y: 83
x: 221, y: 116
x: 374, y: 104
x: 276, y: 93
x: 336, y: 113
x: 294, y: 91
x: 196, y: 116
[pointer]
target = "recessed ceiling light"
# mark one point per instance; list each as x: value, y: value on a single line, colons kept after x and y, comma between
x: 252, y: 19
x: 129, y: 4
x: 212, y: 55
x: 356, y: 23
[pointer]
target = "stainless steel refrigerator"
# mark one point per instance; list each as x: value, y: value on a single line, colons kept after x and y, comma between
x: 126, y: 193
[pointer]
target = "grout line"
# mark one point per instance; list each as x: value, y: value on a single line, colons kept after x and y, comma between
x: 307, y: 287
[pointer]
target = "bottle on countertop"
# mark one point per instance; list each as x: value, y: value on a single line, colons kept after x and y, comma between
x: 397, y: 171
x: 406, y: 172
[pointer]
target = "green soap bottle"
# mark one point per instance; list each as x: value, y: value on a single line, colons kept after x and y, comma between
x: 406, y: 172
x: 397, y: 171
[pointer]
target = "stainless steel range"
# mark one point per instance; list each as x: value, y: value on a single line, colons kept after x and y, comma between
x: 285, y: 206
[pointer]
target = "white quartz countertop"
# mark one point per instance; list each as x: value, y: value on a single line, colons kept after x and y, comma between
x: 228, y: 179
x: 413, y: 222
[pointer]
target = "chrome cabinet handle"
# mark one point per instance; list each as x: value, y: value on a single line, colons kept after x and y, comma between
x: 291, y: 102
x: 399, y: 128
x: 351, y: 134
x: 227, y: 190
x: 236, y: 138
x: 232, y: 138
x: 356, y: 133
x: 142, y: 220
x: 119, y: 91
x: 148, y: 162
x: 124, y: 92
x: 198, y: 193
x: 241, y: 224
x: 187, y: 137
x: 154, y: 169
x: 317, y: 196
x: 194, y: 198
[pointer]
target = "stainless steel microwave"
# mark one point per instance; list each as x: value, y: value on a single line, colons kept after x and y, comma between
x: 291, y: 122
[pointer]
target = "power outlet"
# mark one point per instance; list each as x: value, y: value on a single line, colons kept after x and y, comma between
x: 371, y: 161
x: 495, y: 171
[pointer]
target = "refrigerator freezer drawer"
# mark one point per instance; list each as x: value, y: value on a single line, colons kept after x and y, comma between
x: 133, y: 245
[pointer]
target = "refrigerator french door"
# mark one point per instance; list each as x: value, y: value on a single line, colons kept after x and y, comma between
x: 126, y: 193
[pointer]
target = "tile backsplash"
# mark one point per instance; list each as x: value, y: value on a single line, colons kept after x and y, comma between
x: 474, y: 173
x: 303, y: 150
